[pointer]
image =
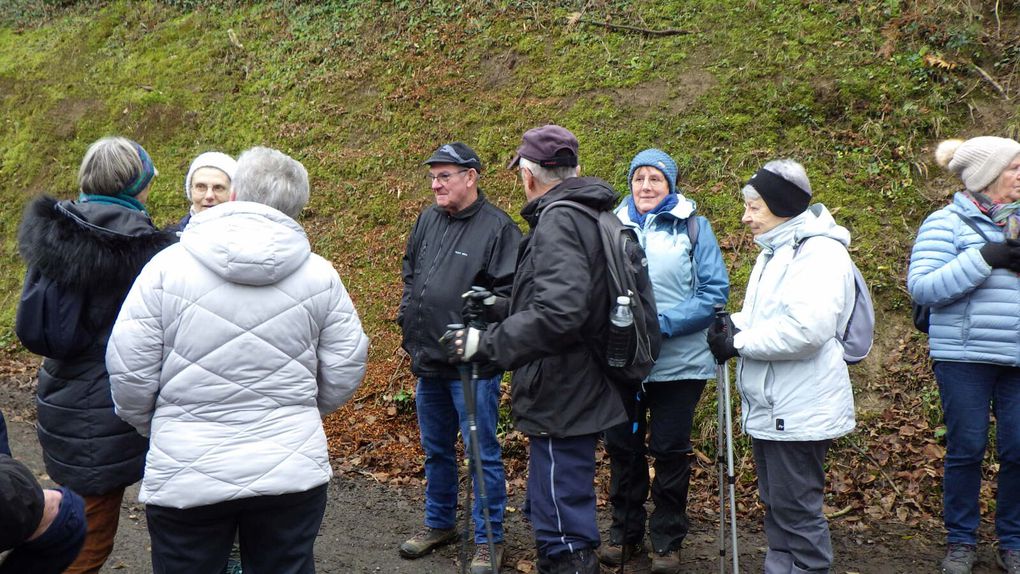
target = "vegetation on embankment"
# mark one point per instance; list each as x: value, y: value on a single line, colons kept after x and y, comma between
x: 362, y: 91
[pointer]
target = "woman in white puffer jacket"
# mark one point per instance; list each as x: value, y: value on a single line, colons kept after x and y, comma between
x: 228, y: 350
x: 793, y: 382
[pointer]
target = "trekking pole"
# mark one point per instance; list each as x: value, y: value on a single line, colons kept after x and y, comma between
x: 721, y: 319
x: 720, y: 462
x: 473, y: 318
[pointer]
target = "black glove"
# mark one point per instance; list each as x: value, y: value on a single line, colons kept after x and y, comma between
x: 997, y: 254
x: 720, y: 339
x: 478, y: 304
x: 460, y: 343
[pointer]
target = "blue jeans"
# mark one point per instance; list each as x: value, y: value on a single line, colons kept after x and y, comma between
x: 57, y: 547
x: 969, y: 391
x: 441, y: 414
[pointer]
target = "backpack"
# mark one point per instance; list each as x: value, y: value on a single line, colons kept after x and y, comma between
x: 51, y: 319
x: 921, y: 314
x: 627, y: 274
x: 859, y: 334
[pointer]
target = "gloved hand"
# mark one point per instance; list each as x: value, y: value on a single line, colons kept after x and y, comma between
x: 478, y: 303
x: 720, y: 339
x: 1005, y: 255
x: 460, y: 343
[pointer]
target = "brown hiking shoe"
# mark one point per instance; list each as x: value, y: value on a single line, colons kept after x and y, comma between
x: 612, y: 554
x: 426, y: 541
x: 666, y: 563
x: 482, y: 562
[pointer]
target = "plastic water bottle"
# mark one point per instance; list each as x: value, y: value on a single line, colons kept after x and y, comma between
x: 621, y: 321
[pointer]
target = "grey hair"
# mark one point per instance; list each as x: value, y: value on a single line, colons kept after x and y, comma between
x: 110, y: 165
x: 790, y: 170
x: 549, y: 175
x: 272, y: 178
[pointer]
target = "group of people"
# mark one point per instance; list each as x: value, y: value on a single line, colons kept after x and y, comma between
x: 201, y: 358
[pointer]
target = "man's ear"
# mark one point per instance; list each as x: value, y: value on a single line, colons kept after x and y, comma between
x: 233, y: 195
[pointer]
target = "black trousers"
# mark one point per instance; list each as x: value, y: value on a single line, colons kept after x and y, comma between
x: 666, y: 413
x: 276, y: 533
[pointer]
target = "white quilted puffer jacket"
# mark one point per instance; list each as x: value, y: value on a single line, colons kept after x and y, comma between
x: 227, y: 351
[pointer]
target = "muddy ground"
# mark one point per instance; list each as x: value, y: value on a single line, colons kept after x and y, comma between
x: 366, y: 521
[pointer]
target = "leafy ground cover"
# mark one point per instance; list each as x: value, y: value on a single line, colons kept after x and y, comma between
x: 362, y: 91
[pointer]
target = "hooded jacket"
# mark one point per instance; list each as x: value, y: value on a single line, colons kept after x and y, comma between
x: 975, y: 310
x: 559, y: 312
x: 688, y: 280
x: 94, y: 250
x: 446, y: 254
x: 793, y: 382
x: 228, y: 350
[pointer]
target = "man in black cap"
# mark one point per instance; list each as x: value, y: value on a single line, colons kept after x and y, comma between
x: 44, y: 529
x: 559, y: 314
x: 461, y: 241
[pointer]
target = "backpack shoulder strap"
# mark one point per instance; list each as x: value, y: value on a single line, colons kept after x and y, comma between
x: 971, y: 224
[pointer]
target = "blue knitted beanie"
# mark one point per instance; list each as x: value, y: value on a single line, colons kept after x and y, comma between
x: 658, y: 159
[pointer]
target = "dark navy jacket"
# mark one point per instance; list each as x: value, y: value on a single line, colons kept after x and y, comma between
x: 94, y: 250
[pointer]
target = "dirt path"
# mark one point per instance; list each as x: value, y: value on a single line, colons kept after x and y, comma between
x: 366, y: 521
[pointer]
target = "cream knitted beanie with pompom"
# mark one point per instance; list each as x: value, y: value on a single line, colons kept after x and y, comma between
x: 978, y: 161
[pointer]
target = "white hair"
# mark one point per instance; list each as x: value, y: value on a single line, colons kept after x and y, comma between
x: 788, y: 169
x: 547, y: 176
x: 272, y: 178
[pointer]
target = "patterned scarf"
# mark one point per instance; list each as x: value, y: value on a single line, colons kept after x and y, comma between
x: 1005, y: 215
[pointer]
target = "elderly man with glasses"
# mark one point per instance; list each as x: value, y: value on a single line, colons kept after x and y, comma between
x: 460, y: 241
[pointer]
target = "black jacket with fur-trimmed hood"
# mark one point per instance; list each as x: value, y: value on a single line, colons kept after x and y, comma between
x: 95, y: 250
x: 559, y: 313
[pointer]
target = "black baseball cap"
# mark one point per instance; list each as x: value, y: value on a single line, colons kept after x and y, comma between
x: 21, y: 503
x: 456, y: 153
x: 548, y: 146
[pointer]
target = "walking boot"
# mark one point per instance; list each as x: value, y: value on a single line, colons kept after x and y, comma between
x: 482, y: 562
x: 960, y: 558
x: 612, y: 554
x: 426, y: 541
x: 581, y: 561
x: 666, y: 563
x: 1009, y: 560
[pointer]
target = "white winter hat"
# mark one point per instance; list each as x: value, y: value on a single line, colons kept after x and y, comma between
x: 978, y: 161
x: 219, y: 160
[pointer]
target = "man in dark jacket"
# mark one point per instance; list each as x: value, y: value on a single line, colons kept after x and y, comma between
x: 559, y: 314
x: 82, y: 257
x: 460, y: 241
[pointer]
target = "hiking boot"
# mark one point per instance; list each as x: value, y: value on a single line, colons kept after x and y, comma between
x: 1009, y: 560
x: 482, y: 562
x: 612, y: 554
x: 581, y: 561
x: 666, y: 563
x: 960, y: 558
x: 426, y: 541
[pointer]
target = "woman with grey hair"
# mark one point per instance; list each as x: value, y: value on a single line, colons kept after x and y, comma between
x: 964, y: 264
x: 82, y: 256
x: 793, y: 382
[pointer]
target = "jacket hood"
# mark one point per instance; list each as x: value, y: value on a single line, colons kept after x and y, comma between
x: 816, y: 221
x: 683, y: 209
x: 247, y: 243
x: 88, y: 245
x: 590, y: 191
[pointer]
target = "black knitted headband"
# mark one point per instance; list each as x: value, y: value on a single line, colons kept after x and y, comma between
x: 783, y: 197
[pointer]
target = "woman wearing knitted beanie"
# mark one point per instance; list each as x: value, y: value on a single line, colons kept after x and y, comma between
x: 964, y: 265
x: 82, y: 257
x: 793, y: 381
x: 689, y: 278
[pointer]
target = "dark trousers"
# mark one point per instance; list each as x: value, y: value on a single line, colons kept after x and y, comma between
x: 665, y: 411
x: 277, y: 534
x: 791, y: 483
x: 561, y: 493
x: 55, y: 548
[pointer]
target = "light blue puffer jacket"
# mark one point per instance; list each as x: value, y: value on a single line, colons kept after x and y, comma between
x: 975, y: 315
x: 687, y: 288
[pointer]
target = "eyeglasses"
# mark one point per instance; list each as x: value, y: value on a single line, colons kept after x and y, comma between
x: 444, y: 178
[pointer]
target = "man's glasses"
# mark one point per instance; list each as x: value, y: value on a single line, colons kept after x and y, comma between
x: 444, y: 178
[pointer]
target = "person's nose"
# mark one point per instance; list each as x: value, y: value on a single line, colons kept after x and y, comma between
x: 210, y: 195
x: 746, y: 217
x: 436, y: 184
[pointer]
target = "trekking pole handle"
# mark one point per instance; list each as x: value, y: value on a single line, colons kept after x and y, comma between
x: 720, y: 314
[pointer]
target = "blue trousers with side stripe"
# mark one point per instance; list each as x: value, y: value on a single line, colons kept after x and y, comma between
x: 561, y: 493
